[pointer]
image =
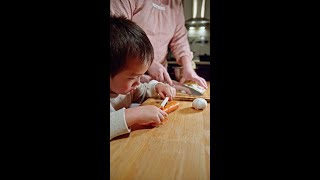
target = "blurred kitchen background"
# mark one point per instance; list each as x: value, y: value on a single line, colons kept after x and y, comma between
x: 197, y: 16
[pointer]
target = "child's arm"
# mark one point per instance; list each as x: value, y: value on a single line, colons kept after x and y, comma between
x: 144, y: 91
x: 152, y: 89
x: 118, y: 125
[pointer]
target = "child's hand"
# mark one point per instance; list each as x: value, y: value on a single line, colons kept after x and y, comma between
x: 165, y: 90
x: 145, y: 115
x: 152, y: 115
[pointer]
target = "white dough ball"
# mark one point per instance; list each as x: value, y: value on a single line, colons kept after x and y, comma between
x: 199, y: 103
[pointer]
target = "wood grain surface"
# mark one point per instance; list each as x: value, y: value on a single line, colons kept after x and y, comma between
x: 177, y: 149
x: 190, y: 98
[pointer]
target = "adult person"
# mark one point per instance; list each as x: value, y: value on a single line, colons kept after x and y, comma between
x: 164, y: 23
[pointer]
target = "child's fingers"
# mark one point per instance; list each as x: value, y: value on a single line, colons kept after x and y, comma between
x: 162, y: 95
x: 173, y: 92
x: 170, y: 96
x: 167, y: 92
x: 161, y: 117
x: 163, y: 113
x: 155, y: 124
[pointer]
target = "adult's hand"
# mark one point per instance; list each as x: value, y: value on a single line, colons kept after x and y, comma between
x: 158, y: 72
x: 145, y: 78
x: 190, y: 74
x: 180, y: 87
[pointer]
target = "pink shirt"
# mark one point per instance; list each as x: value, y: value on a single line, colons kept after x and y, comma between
x: 163, y: 21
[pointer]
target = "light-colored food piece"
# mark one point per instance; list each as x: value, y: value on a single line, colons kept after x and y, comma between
x: 183, y: 91
x: 199, y: 103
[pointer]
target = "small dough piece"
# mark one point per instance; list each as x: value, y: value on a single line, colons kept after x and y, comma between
x: 199, y: 103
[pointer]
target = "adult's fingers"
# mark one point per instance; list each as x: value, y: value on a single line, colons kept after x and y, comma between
x: 174, y: 82
x: 182, y: 80
x: 203, y: 83
x: 167, y: 78
x: 188, y: 91
x: 182, y: 88
x: 145, y: 78
x: 160, y: 77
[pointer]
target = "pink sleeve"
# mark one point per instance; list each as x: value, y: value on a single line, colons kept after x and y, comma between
x: 179, y: 44
x: 122, y: 7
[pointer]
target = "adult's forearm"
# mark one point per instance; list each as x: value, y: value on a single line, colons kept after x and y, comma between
x: 186, y: 62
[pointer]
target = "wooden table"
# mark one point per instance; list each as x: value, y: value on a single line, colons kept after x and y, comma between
x: 177, y: 149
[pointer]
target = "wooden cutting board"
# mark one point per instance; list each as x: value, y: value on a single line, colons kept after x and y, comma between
x: 185, y: 97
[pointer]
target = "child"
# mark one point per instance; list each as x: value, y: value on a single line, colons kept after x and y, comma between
x: 131, y: 56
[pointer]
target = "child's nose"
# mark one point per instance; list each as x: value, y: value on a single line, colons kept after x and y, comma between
x: 137, y: 82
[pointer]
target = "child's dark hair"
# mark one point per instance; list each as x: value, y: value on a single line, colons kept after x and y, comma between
x: 127, y: 40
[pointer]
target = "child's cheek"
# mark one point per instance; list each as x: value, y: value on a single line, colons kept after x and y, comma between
x: 127, y: 86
